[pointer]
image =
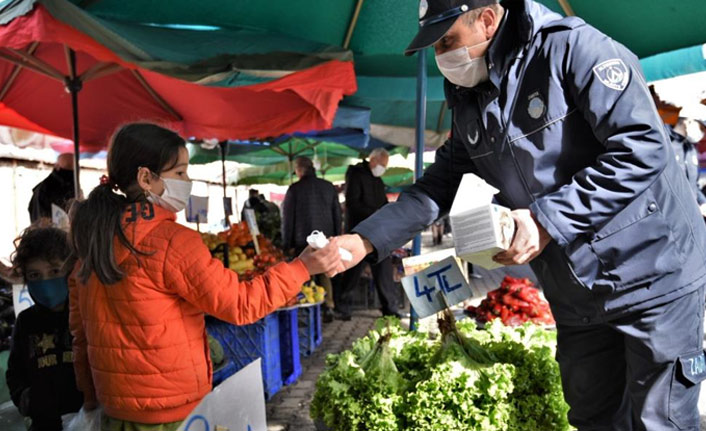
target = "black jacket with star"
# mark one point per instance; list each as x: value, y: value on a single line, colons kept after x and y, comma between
x: 41, y: 359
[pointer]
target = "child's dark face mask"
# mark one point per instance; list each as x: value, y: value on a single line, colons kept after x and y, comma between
x: 47, y: 283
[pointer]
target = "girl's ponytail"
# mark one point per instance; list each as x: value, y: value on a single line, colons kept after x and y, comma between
x: 96, y: 221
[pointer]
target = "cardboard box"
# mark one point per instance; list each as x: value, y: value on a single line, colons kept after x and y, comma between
x: 480, y: 228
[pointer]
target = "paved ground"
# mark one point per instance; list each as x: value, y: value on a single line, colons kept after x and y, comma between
x: 288, y: 410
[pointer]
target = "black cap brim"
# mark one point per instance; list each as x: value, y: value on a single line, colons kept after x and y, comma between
x: 429, y: 35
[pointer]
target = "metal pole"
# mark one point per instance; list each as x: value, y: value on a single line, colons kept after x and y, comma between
x: 419, y: 148
x: 290, y: 156
x: 222, y: 145
x: 73, y: 84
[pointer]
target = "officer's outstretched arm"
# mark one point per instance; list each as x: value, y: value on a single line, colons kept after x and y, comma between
x: 431, y: 197
x: 606, y: 83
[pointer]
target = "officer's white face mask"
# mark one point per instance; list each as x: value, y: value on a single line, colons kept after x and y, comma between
x: 460, y: 69
x: 693, y: 132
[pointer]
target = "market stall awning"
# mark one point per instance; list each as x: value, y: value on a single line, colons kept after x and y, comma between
x: 34, y: 70
x: 378, y: 31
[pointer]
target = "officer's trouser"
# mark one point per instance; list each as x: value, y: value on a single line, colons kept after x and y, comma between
x: 640, y: 372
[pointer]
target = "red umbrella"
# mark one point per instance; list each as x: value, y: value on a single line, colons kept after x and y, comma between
x: 52, y: 75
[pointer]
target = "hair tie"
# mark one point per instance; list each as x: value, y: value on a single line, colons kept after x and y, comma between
x: 105, y: 181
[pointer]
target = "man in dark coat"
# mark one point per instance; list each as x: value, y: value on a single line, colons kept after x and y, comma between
x: 310, y: 204
x: 57, y: 189
x: 557, y: 116
x: 365, y: 194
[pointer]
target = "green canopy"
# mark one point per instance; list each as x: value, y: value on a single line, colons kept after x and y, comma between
x: 275, y: 154
x: 393, y: 177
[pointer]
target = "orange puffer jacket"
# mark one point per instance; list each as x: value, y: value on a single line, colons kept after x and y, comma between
x: 140, y: 344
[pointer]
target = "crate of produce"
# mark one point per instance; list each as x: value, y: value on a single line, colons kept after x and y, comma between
x: 244, y: 344
x: 289, y: 345
x: 310, y: 334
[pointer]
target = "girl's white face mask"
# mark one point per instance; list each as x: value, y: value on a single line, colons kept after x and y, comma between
x: 175, y: 196
x: 460, y: 69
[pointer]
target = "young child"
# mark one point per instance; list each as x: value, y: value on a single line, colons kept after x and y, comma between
x: 143, y: 283
x: 40, y: 372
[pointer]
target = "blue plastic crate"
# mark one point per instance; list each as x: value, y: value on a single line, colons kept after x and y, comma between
x: 310, y: 334
x: 289, y: 345
x: 244, y: 344
x: 224, y: 372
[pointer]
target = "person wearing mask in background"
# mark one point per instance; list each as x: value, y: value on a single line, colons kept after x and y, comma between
x: 557, y: 116
x: 365, y: 194
x: 685, y: 134
x: 57, y: 189
x: 40, y: 371
x: 142, y: 283
x: 310, y: 204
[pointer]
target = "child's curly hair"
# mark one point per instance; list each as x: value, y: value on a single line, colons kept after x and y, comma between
x: 41, y: 241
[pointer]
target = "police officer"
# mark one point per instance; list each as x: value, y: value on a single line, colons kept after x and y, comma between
x: 685, y: 134
x: 558, y: 117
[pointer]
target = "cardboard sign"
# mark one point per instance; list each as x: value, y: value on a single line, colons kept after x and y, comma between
x: 197, y: 209
x: 444, y: 278
x: 251, y: 220
x: 415, y: 264
x: 480, y: 228
x: 237, y: 404
x: 20, y: 298
x: 59, y: 218
x: 228, y: 206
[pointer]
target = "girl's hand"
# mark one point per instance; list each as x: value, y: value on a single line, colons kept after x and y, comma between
x: 324, y: 261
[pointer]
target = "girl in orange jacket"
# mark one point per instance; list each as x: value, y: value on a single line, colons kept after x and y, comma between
x: 142, y: 284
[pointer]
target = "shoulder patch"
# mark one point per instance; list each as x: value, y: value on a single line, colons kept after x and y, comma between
x: 613, y: 74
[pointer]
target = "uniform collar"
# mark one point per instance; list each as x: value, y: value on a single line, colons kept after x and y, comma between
x: 504, y: 48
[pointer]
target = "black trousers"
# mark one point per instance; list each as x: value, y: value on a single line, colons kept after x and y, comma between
x: 640, y: 372
x: 384, y: 284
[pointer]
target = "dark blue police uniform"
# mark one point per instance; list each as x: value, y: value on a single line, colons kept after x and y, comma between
x: 566, y: 127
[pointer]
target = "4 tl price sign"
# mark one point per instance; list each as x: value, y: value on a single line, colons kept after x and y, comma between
x: 444, y: 278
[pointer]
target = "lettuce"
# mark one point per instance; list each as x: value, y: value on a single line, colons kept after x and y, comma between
x: 500, y: 378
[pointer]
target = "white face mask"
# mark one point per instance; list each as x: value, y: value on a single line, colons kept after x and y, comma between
x: 175, y: 197
x: 459, y: 68
x: 693, y: 132
x: 378, y: 170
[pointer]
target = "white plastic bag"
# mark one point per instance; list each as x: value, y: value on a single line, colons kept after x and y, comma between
x: 85, y: 421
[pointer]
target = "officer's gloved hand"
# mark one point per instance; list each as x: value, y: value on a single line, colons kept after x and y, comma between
x: 703, y: 209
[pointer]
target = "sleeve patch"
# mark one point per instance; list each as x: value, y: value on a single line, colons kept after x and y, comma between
x: 613, y: 74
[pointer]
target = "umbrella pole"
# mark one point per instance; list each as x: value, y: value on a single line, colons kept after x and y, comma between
x: 289, y: 162
x: 222, y: 145
x: 419, y: 159
x: 74, y: 84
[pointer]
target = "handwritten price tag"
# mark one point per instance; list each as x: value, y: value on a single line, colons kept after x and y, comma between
x: 423, y: 288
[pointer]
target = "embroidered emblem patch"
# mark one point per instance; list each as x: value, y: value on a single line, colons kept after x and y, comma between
x: 613, y: 74
x: 536, y: 106
x: 474, y: 140
x: 423, y: 7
